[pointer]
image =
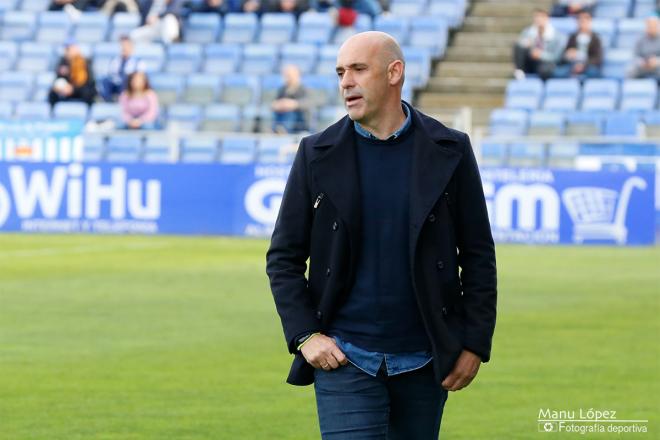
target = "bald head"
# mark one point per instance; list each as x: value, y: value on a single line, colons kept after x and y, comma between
x: 380, y: 43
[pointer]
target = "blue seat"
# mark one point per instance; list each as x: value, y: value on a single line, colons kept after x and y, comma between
x: 237, y: 150
x: 33, y: 111
x: 18, y: 25
x: 630, y: 30
x: 280, y: 149
x: 71, y: 110
x: 652, y: 121
x: 418, y: 65
x: 616, y: 62
x: 524, y: 94
x: 527, y: 154
x: 606, y: 30
x: 269, y: 87
x: 408, y: 8
x: 639, y: 95
x: 152, y: 55
x: 612, y: 8
x: 159, y: 148
x: 600, y: 95
x: 327, y: 62
x: 240, y: 28
x: 315, y: 27
x: 493, y: 153
x: 124, y: 148
x: 184, y: 58
x: 302, y: 55
x: 6, y: 110
x: 397, y: 27
x: 106, y: 111
x: 202, y: 28
x: 34, y: 5
x: 221, y: 59
x: 8, y: 55
x: 508, y: 122
x: 221, y: 117
x: 562, y: 154
x: 561, y: 94
x: 92, y: 27
x: 256, y: 119
x: 94, y: 147
x: 35, y: 57
x: 330, y: 114
x: 621, y: 124
x: 8, y: 5
x: 321, y: 89
x: 202, y: 88
x: 259, y: 59
x: 42, y: 86
x: 16, y: 86
x: 103, y: 56
x: 544, y: 123
x: 583, y: 123
x: 564, y: 25
x: 240, y: 89
x: 168, y: 86
x: 199, y: 149
x: 645, y: 8
x: 184, y: 116
x: 362, y: 23
x: 450, y: 10
x: 277, y: 28
x: 123, y: 23
x: 431, y: 32
x: 53, y: 27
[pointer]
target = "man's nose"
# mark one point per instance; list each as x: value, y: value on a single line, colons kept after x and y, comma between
x: 346, y: 80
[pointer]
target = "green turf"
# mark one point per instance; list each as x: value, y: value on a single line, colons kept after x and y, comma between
x: 177, y: 338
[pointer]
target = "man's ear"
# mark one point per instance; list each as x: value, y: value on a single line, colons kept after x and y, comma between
x: 395, y: 72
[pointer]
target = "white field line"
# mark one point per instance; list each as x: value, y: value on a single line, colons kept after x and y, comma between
x: 56, y: 251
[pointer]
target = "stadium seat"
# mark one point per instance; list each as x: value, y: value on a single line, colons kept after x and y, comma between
x: 185, y: 117
x: 616, y: 62
x: 561, y: 94
x: 621, y: 124
x: 452, y: 11
x: 600, y: 95
x: 269, y: 86
x: 34, y: 5
x: 328, y: 115
x: 645, y: 8
x: 159, y: 148
x: 612, y: 8
x: 122, y: 24
x: 124, y: 148
x: 240, y: 28
x: 493, y: 154
x: 202, y: 28
x: 8, y: 55
x: 397, y: 27
x: 6, y: 110
x: 630, y: 30
x: 408, y: 8
x: 199, y: 149
x: 18, y: 25
x: 545, y: 123
x: 652, y: 121
x: 583, y: 124
x: 562, y: 154
x: 222, y: 59
x: 104, y: 111
x: 321, y: 89
x: 152, y: 55
x: 238, y: 150
x: 526, y: 154
x: 606, y: 30
x: 259, y: 59
x: 315, y: 27
x: 221, y: 117
x: 94, y: 148
x: 564, y: 25
x: 16, y: 86
x: 430, y: 32
x: 71, y: 110
x: 277, y: 28
x: 185, y: 58
x: 524, y: 94
x: 202, y: 88
x: 302, y: 55
x: 362, y: 23
x: 280, y: 149
x: 43, y: 84
x: 35, y: 57
x: 53, y: 27
x: 418, y: 65
x: 327, y: 62
x: 240, y: 89
x: 8, y: 5
x: 168, y: 86
x: 508, y: 122
x: 103, y: 55
x: 92, y: 27
x: 639, y: 95
x: 256, y: 119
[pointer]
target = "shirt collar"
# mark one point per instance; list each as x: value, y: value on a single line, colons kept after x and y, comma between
x: 406, y: 124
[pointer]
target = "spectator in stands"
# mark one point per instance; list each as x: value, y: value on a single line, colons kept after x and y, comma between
x: 572, y: 7
x: 74, y: 79
x: 647, y: 53
x: 162, y: 22
x: 290, y: 105
x: 217, y: 6
x: 120, y: 67
x: 139, y: 103
x: 538, y: 49
x: 251, y: 6
x: 296, y: 7
x: 583, y: 56
x: 111, y: 6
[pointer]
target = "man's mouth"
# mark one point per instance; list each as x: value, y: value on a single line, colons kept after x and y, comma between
x: 351, y: 100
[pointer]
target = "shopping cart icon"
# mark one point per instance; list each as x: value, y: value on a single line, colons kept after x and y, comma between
x: 600, y: 213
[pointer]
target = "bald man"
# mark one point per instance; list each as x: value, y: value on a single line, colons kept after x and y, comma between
x: 646, y: 63
x: 387, y: 205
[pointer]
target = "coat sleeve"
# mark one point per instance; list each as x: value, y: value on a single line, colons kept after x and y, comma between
x: 476, y: 257
x: 286, y: 259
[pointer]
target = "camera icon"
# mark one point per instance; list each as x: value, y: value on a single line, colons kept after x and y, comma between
x: 547, y: 426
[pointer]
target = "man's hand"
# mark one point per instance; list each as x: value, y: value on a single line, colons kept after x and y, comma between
x: 321, y: 351
x: 465, y: 369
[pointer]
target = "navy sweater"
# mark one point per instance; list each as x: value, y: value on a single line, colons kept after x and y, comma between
x: 381, y: 313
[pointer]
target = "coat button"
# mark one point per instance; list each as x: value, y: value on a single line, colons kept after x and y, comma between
x: 319, y: 315
x: 440, y: 264
x: 327, y: 272
x: 335, y: 226
x: 444, y: 311
x: 432, y: 218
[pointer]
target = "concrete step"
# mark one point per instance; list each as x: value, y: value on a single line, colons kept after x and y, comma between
x: 484, y: 39
x: 474, y: 70
x: 495, y: 24
x: 467, y: 85
x: 480, y: 54
x: 505, y: 9
x: 456, y: 100
x: 446, y: 115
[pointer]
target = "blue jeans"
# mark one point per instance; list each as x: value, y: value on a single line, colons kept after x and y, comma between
x: 354, y: 405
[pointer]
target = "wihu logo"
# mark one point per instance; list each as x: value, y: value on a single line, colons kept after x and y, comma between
x: 72, y: 197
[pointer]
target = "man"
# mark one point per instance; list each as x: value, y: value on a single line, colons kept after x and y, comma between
x: 161, y: 22
x: 647, y: 52
x: 387, y: 204
x: 290, y: 105
x: 583, y: 56
x: 120, y: 67
x: 538, y: 49
x: 572, y: 7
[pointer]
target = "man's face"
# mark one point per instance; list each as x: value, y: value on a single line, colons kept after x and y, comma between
x: 652, y: 27
x: 363, y: 81
x: 126, y: 48
x: 584, y: 23
x: 540, y: 19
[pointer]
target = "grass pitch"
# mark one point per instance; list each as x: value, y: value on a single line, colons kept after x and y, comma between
x: 177, y: 338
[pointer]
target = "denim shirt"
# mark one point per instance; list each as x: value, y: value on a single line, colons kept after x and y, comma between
x: 368, y: 361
